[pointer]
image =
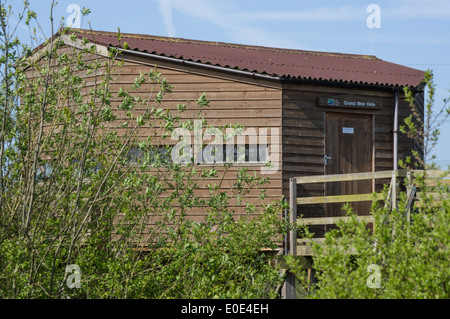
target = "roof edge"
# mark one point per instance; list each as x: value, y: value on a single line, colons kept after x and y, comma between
x: 334, y: 83
x: 103, y: 46
x: 225, y: 44
x: 202, y: 65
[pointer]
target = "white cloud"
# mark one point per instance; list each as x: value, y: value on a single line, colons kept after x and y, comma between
x: 228, y: 17
x: 396, y: 10
x: 344, y: 13
x: 416, y: 9
x: 217, y: 13
x: 250, y: 27
x: 15, y: 24
x: 166, y: 10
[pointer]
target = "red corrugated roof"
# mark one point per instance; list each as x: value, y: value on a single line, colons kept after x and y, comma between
x: 308, y: 65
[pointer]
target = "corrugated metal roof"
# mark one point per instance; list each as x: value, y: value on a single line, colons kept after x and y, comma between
x: 307, y: 65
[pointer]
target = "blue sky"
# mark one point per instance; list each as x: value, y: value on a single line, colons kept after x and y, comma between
x: 414, y: 33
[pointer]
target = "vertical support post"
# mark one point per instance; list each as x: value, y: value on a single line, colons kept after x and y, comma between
x: 286, y: 240
x: 293, y: 216
x: 394, y: 190
x: 408, y: 197
x: 395, y: 131
x: 290, y: 278
x: 409, y: 200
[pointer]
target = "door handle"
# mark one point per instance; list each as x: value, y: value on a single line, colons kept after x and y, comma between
x: 326, y: 158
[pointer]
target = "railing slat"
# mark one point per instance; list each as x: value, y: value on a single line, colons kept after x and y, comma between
x: 347, y: 177
x: 339, y: 199
x: 435, y: 182
x: 433, y: 173
x: 303, y: 247
x: 332, y: 220
x: 434, y: 195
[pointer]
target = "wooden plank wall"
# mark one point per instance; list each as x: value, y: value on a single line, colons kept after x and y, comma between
x: 304, y: 141
x: 303, y: 146
x: 255, y: 103
x: 384, y: 136
x: 233, y: 99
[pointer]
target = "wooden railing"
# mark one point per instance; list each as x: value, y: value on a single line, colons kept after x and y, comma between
x: 302, y: 247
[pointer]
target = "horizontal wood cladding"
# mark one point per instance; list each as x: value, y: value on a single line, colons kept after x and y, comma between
x: 327, y: 90
x: 384, y: 135
x: 254, y: 104
x: 232, y: 100
x: 212, y: 74
x: 303, y: 127
x: 259, y: 104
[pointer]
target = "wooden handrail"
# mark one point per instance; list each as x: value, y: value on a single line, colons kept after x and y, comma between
x: 339, y: 198
x: 391, y: 196
x: 433, y: 173
x: 348, y: 177
x: 302, y: 247
x: 332, y: 220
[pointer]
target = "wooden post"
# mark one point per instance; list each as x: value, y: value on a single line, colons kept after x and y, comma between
x: 408, y: 197
x: 290, y: 278
x: 293, y: 216
x: 394, y: 190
